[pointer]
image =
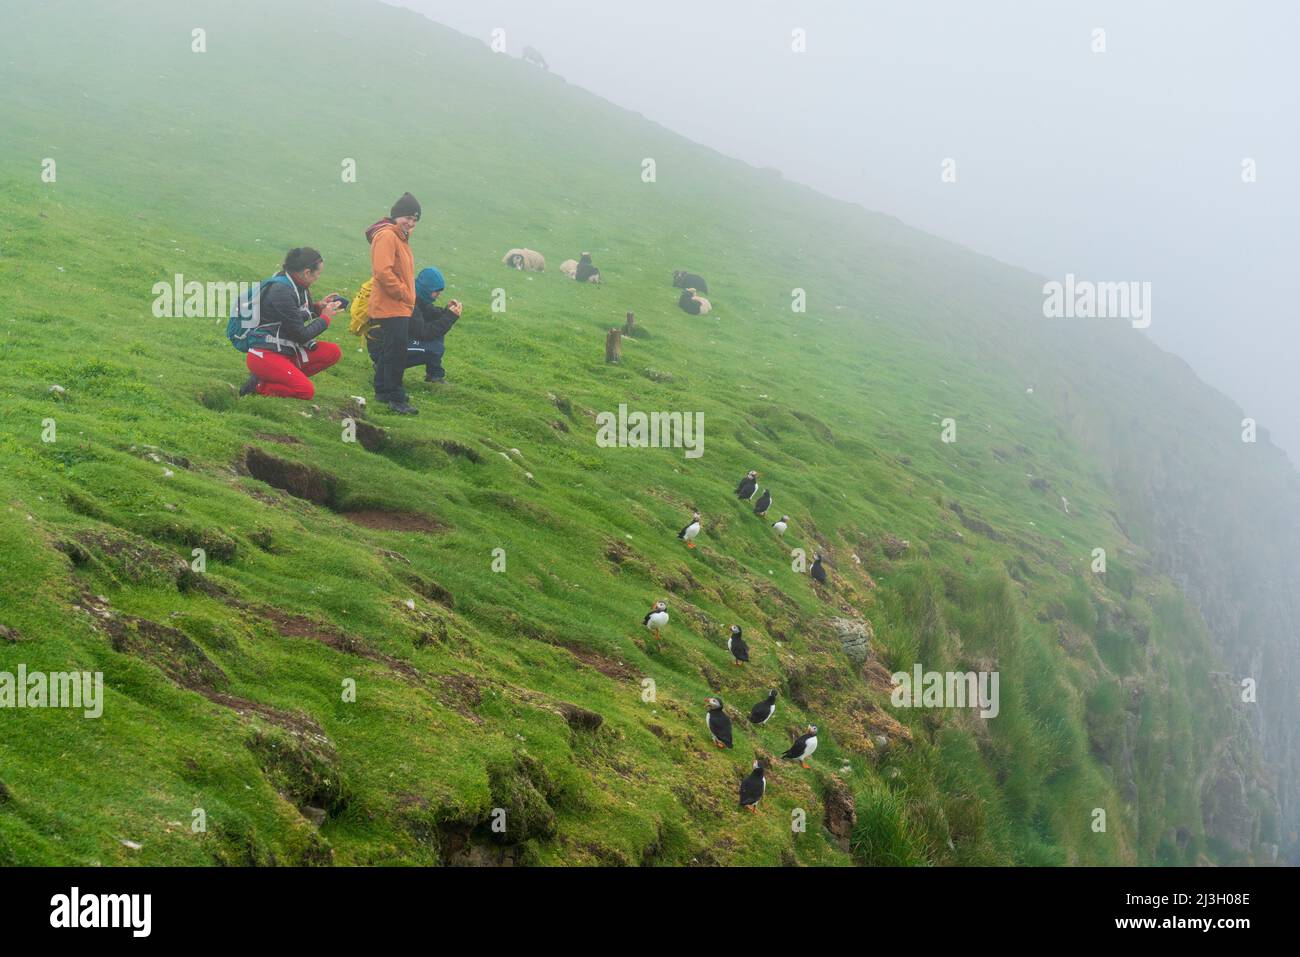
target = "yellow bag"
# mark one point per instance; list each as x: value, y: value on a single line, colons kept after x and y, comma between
x: 360, y: 309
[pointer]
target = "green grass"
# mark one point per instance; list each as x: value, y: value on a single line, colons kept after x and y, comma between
x: 211, y: 166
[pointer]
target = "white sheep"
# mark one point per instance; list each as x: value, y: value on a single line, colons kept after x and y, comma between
x: 529, y: 259
x: 692, y: 302
x: 569, y: 267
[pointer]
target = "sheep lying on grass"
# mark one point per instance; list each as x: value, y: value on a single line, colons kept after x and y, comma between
x: 581, y: 270
x: 692, y: 302
x: 689, y: 280
x: 586, y: 272
x: 529, y: 259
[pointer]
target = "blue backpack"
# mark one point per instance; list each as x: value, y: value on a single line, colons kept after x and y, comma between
x: 244, y: 329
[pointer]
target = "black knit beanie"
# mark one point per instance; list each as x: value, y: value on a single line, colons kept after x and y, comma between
x: 408, y: 205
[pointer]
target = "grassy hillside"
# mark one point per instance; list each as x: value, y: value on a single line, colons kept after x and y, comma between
x: 372, y: 561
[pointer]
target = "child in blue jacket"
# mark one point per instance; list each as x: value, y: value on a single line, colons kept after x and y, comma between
x: 430, y: 323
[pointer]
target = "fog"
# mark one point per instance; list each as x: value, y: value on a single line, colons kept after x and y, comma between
x: 1122, y: 165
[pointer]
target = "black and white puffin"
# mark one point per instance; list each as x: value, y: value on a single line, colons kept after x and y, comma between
x: 753, y: 788
x: 688, y: 533
x: 781, y: 524
x: 657, y: 617
x: 764, y: 503
x: 748, y: 486
x: 816, y: 571
x: 736, y: 645
x: 762, y: 712
x: 803, y: 746
x: 718, y: 723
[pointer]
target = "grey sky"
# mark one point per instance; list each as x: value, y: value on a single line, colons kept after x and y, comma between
x: 1123, y: 165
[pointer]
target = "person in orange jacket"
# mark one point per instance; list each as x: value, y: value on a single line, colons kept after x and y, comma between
x: 392, y: 298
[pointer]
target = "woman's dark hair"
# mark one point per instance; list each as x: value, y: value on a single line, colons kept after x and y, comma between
x: 300, y: 258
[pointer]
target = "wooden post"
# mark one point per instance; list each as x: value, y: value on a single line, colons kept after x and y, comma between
x: 629, y: 325
x: 613, y: 345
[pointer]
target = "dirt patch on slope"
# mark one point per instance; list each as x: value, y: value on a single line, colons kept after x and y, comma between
x: 171, y: 651
x: 606, y: 666
x: 299, y: 480
x: 464, y: 451
x: 294, y: 722
x: 300, y: 626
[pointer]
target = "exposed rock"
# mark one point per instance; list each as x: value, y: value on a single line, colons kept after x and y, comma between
x: 855, y: 635
x: 841, y: 812
x: 893, y: 546
x: 302, y: 768
x: 1227, y: 808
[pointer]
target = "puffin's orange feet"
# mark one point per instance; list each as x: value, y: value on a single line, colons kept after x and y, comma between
x: 690, y: 544
x: 805, y: 767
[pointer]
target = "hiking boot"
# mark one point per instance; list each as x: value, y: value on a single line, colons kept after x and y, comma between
x: 403, y: 408
x: 435, y: 380
x: 249, y: 386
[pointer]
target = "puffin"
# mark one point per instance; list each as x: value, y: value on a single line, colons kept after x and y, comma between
x: 764, y: 503
x: 763, y: 711
x: 688, y: 533
x: 748, y: 486
x: 816, y: 571
x: 718, y: 723
x: 657, y: 617
x: 781, y: 524
x: 803, y: 747
x: 753, y: 788
x: 736, y: 645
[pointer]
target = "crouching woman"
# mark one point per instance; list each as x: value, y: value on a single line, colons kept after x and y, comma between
x: 285, y: 354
